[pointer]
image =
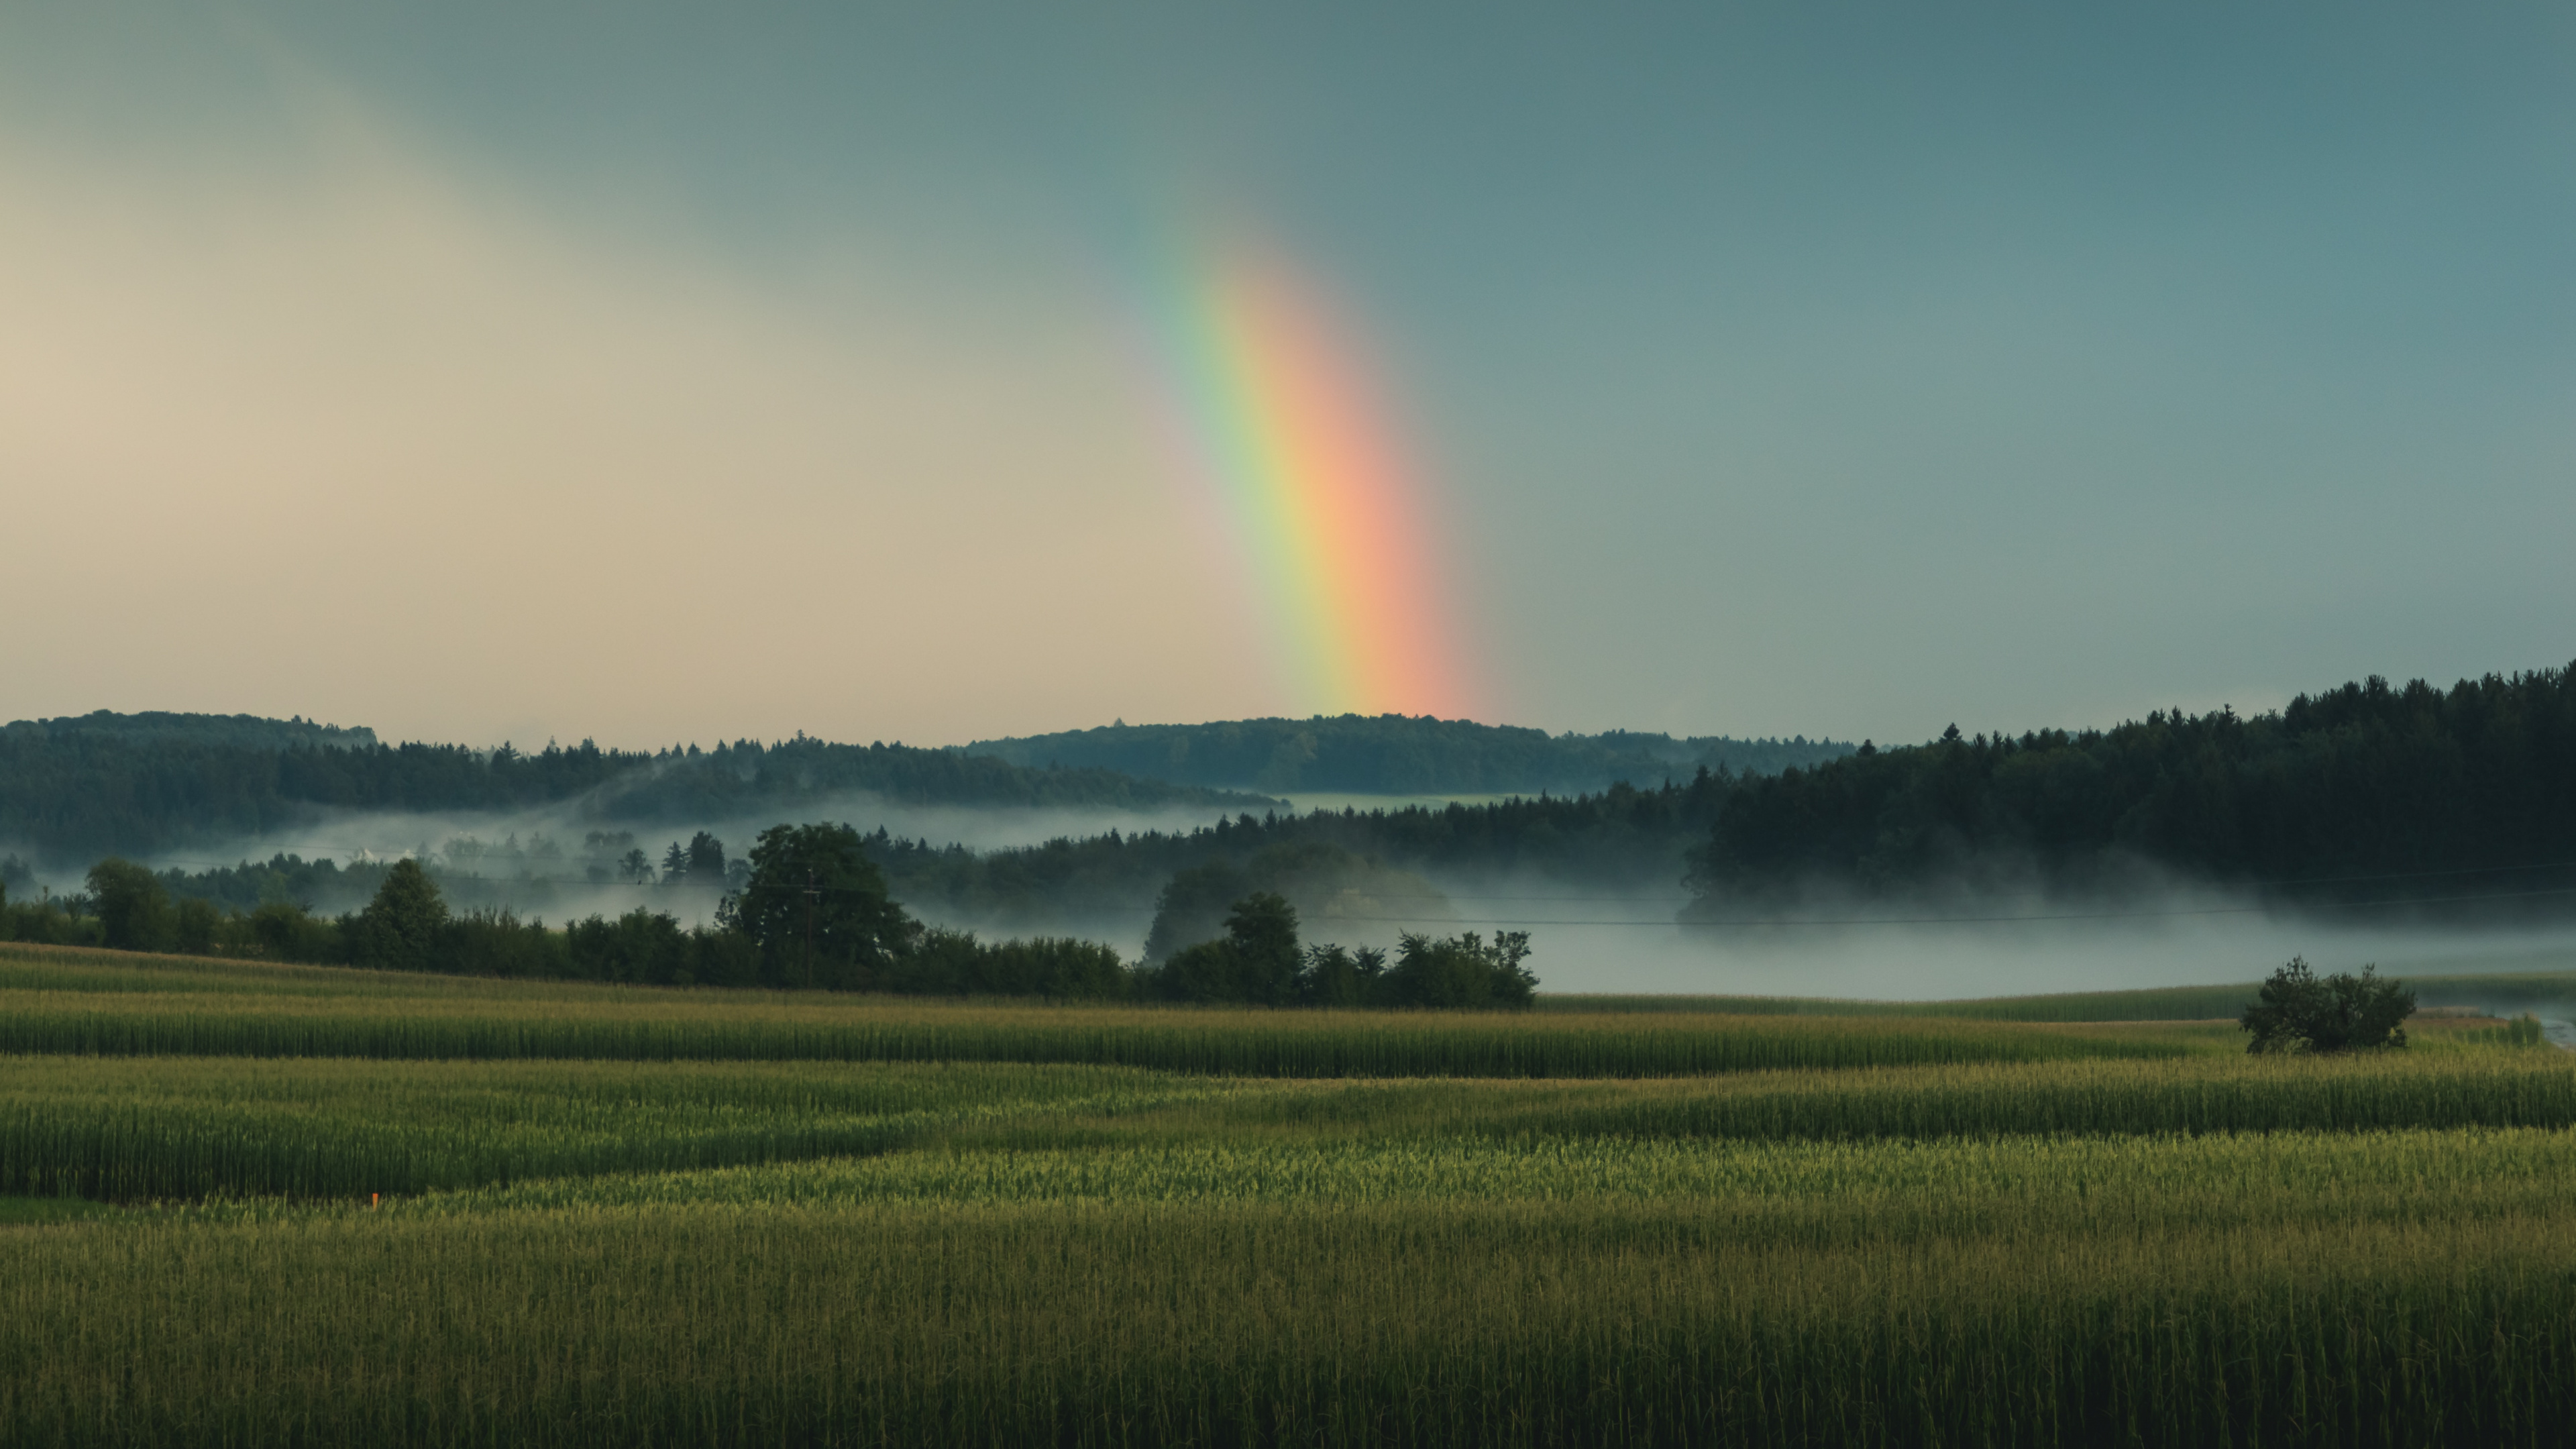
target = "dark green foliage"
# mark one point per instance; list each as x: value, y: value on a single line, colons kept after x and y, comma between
x: 2297, y: 1010
x: 48, y: 921
x: 1461, y: 972
x: 1397, y: 754
x: 1338, y: 976
x: 195, y: 926
x: 650, y: 948
x: 399, y: 930
x: 1261, y: 931
x: 1617, y: 840
x: 310, y: 883
x: 1193, y: 906
x: 1257, y: 962
x: 133, y: 909
x: 954, y: 963
x: 284, y: 931
x: 816, y: 908
x: 1319, y: 877
x: 706, y: 859
x: 77, y: 788
x: 2364, y: 781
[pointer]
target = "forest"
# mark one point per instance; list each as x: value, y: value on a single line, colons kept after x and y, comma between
x: 76, y: 788
x: 1394, y: 754
x: 2371, y: 795
x: 2366, y: 793
x: 2358, y: 796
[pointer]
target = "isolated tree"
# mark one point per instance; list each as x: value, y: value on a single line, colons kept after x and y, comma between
x: 1262, y: 930
x: 706, y: 859
x: 635, y: 867
x: 2297, y: 1010
x: 133, y: 906
x: 399, y: 929
x: 817, y: 908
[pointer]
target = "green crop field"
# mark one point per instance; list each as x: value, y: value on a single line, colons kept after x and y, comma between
x: 261, y: 1205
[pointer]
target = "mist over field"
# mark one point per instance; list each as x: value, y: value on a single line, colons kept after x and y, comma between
x: 542, y: 860
x: 1950, y: 962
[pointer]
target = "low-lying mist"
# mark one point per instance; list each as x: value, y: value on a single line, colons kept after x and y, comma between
x: 563, y: 863
x: 1997, y: 944
x: 1928, y: 963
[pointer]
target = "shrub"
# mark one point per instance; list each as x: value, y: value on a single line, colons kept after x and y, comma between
x: 2298, y: 1010
x: 1462, y: 971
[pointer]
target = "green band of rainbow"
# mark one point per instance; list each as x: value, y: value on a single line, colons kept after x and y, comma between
x: 1331, y: 522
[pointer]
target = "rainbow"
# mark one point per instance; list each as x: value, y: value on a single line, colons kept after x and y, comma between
x: 1275, y: 412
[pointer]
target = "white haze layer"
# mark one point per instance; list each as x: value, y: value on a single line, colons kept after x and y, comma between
x: 1583, y: 941
x: 346, y: 837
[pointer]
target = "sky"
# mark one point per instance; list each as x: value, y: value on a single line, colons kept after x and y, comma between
x: 653, y: 373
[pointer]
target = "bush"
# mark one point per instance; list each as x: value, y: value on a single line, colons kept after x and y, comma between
x: 953, y: 963
x: 1257, y: 962
x: 1462, y: 972
x: 2297, y: 1010
x: 133, y: 907
x: 285, y: 931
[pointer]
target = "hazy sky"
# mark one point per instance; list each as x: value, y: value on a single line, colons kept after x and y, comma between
x: 502, y: 370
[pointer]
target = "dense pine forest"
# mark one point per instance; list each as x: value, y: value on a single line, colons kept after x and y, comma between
x: 1395, y: 754
x: 2370, y: 792
x: 74, y: 789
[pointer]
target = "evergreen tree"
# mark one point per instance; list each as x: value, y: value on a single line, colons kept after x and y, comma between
x: 399, y: 930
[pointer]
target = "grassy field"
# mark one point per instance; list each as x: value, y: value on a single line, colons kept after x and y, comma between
x: 98, y: 1003
x: 2507, y: 991
x: 1298, y: 1228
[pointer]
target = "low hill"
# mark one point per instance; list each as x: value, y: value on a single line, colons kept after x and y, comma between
x: 72, y: 790
x: 1395, y: 754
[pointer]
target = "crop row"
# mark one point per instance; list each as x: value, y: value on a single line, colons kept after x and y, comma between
x: 2495, y: 991
x: 1390, y: 1323
x: 161, y: 1128
x: 1224, y: 1042
x: 1816, y: 1194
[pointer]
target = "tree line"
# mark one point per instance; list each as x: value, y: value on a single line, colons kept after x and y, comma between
x: 1394, y: 754
x: 73, y: 789
x: 812, y: 911
x: 2365, y: 793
